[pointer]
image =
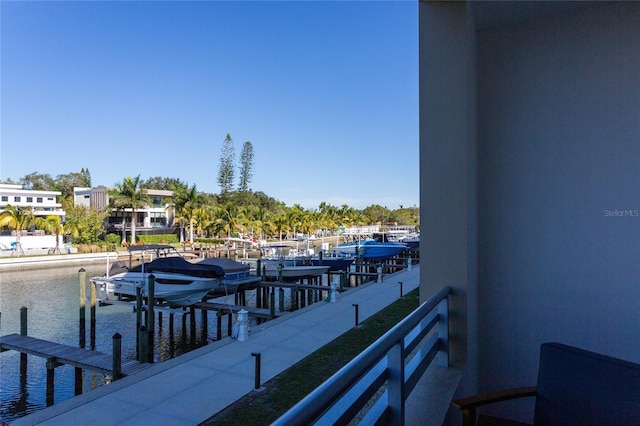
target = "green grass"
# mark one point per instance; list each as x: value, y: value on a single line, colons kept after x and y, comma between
x: 285, y: 390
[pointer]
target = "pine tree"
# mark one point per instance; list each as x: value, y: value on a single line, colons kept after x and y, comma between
x: 226, y: 171
x: 246, y: 166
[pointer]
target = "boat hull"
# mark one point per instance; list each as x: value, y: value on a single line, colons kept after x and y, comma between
x: 334, y: 263
x: 371, y: 250
x: 174, y: 289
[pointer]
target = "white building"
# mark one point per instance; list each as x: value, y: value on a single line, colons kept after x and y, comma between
x: 43, y: 203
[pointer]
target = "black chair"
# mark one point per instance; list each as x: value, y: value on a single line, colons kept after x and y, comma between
x: 575, y: 387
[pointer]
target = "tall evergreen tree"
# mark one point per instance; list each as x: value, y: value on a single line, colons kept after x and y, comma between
x: 226, y: 172
x: 246, y: 166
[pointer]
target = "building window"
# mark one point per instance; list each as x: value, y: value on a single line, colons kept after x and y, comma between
x: 29, y: 199
x: 156, y: 201
x: 16, y: 199
x: 5, y: 198
x: 158, y: 220
x: 39, y: 200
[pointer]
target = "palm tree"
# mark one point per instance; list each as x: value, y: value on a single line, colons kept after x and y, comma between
x: 53, y: 224
x: 130, y: 194
x: 179, y: 200
x: 193, y: 202
x: 18, y: 219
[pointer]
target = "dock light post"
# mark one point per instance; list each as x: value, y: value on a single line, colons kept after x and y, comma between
x: 355, y: 305
x: 257, y: 356
x: 243, y: 333
x: 332, y: 293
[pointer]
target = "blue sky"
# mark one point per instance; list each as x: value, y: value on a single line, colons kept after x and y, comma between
x: 327, y: 93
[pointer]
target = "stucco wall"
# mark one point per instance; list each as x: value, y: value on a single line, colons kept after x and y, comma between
x: 559, y: 189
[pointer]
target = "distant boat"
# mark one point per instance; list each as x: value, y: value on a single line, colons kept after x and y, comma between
x: 275, y: 262
x: 177, y: 281
x: 370, y: 249
x: 236, y: 275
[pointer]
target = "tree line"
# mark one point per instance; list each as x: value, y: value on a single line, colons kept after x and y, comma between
x: 233, y: 212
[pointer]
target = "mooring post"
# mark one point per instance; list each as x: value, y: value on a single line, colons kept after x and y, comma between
x: 272, y: 303
x: 151, y: 301
x: 409, y: 263
x: 116, y: 357
x: 92, y: 320
x: 281, y: 299
x: 379, y: 270
x: 192, y: 324
x: 23, y: 356
x: 23, y: 321
x: 51, y: 365
x: 355, y: 305
x: 257, y: 369
x: 143, y: 344
x: 82, y: 282
x: 204, y: 314
x: 138, y: 321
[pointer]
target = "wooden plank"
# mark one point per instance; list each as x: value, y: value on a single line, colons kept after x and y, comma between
x: 65, y: 354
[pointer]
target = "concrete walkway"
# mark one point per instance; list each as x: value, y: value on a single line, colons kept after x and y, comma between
x: 191, y: 388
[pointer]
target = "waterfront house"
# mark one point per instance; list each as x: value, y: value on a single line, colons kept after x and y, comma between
x: 529, y: 172
x: 156, y: 218
x: 43, y: 204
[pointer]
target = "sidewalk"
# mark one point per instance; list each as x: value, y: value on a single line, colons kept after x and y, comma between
x: 193, y: 387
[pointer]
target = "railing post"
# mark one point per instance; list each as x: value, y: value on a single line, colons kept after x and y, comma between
x: 443, y: 331
x: 395, y: 384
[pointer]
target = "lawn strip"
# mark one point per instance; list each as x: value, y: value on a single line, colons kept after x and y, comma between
x: 289, y: 387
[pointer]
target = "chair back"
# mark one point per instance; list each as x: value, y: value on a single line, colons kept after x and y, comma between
x: 579, y: 387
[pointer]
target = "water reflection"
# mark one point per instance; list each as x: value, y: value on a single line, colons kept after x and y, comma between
x: 51, y: 297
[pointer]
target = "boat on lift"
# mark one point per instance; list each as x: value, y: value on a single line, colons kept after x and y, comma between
x: 237, y: 275
x: 178, y: 282
x: 370, y: 249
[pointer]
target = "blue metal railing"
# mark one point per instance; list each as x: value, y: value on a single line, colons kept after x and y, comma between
x: 383, y: 375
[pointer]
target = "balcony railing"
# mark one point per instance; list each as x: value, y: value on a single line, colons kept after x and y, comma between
x: 382, y: 377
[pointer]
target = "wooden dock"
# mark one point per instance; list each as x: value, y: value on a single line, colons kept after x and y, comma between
x: 65, y: 354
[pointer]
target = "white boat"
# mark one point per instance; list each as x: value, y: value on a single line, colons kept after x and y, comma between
x: 275, y: 262
x: 177, y: 281
x: 274, y: 268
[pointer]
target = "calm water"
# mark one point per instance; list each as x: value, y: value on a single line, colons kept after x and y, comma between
x: 51, y: 297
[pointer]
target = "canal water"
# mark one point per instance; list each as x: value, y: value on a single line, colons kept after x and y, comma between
x: 51, y: 297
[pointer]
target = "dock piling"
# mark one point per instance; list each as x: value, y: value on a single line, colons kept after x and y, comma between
x: 92, y: 320
x: 117, y: 356
x: 151, y: 319
x: 82, y: 282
